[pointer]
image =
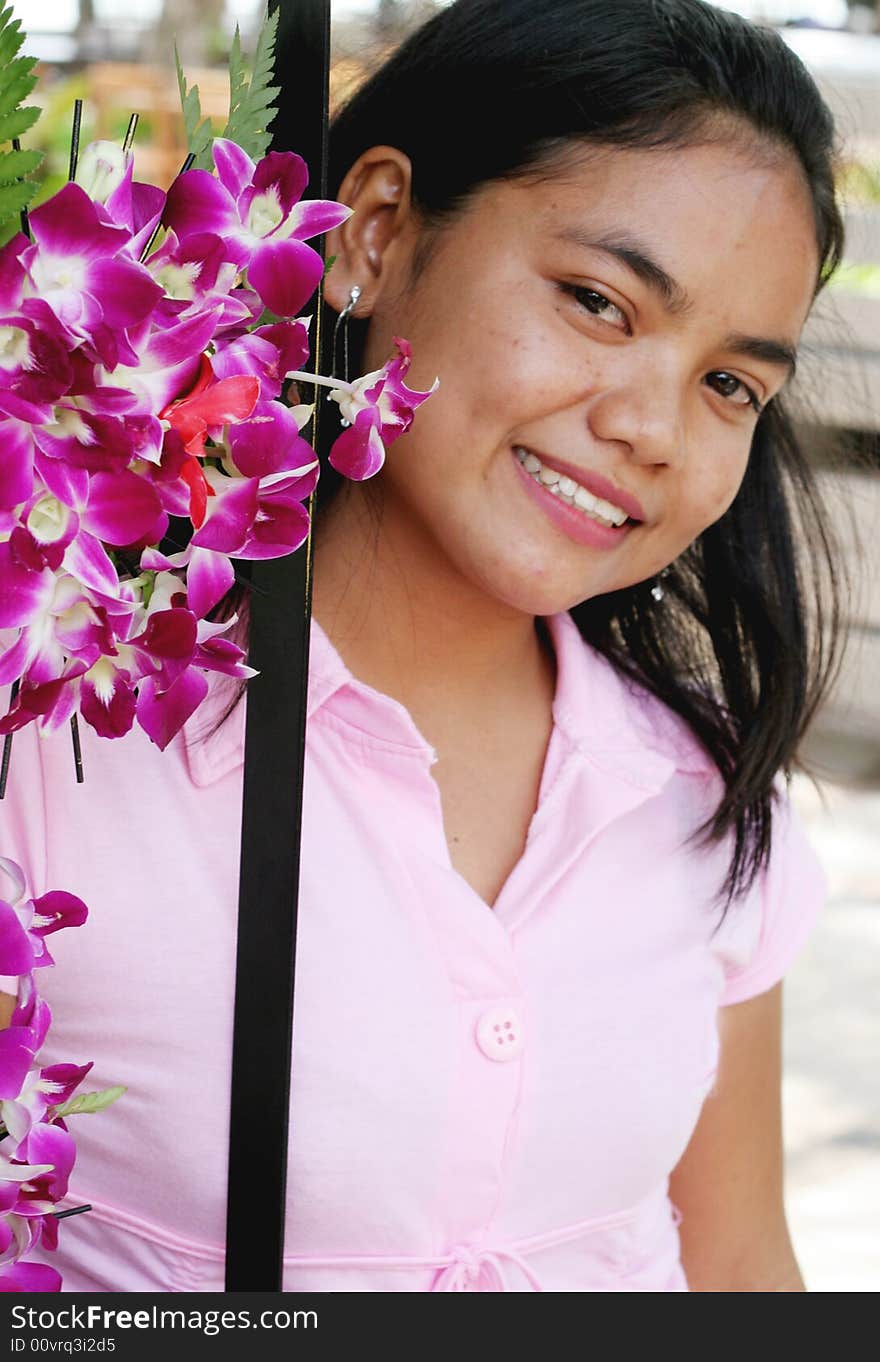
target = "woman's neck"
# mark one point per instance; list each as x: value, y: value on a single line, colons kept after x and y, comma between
x: 407, y: 623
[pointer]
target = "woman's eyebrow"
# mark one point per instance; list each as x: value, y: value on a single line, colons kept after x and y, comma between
x: 636, y: 257
x: 675, y: 298
x: 779, y: 352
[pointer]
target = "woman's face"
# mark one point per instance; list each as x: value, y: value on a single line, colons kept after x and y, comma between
x: 617, y: 325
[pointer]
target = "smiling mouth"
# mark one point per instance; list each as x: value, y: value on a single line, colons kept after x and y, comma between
x: 603, y: 512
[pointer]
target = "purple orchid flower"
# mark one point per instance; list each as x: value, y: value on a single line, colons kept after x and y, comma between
x: 258, y: 212
x: 181, y: 649
x: 17, y: 1054
x: 120, y: 685
x: 67, y: 633
x: 34, y: 359
x: 69, y: 626
x: 137, y: 207
x: 41, y: 1090
x: 376, y: 409
x: 26, y: 1094
x: 209, y: 575
x: 106, y: 172
x: 15, y: 1174
x: 82, y: 439
x: 104, y: 691
x: 162, y: 713
x: 165, y: 364
x: 19, y: 1235
x: 80, y: 276
x: 52, y: 1150
x: 78, y: 513
x: 165, y: 473
x: 25, y: 588
x: 115, y: 508
x: 107, y: 699
x: 269, y: 442
x: 18, y: 419
x: 258, y: 518
x: 28, y: 1277
x: 12, y: 274
x: 101, y: 168
x: 196, y: 274
x: 32, y: 1011
x: 270, y: 353
x: 37, y: 919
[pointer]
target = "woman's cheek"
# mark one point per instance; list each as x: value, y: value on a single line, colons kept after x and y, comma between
x: 529, y: 354
x: 717, y: 498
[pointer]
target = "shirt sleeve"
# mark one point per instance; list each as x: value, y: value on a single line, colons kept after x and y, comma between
x: 778, y: 916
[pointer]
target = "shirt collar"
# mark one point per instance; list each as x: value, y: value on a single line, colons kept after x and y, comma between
x: 614, y: 721
x: 619, y: 727
x: 214, y: 745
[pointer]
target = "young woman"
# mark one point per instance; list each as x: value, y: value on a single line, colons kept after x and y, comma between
x: 561, y: 664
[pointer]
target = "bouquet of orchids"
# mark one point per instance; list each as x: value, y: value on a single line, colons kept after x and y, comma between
x: 146, y: 338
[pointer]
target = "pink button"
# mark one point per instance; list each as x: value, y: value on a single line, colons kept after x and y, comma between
x: 499, y: 1033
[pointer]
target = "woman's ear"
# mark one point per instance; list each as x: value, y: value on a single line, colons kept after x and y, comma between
x: 377, y: 188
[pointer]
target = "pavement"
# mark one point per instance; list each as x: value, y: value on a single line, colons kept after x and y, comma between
x: 831, y: 1085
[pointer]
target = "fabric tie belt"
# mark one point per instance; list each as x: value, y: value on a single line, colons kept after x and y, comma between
x: 467, y: 1266
x: 477, y: 1265
x: 463, y: 1273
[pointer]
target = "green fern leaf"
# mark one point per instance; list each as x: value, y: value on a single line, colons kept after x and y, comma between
x: 14, y: 91
x: 87, y: 1103
x: 198, y: 131
x: 11, y: 37
x: 17, y: 122
x: 264, y: 57
x: 237, y: 74
x: 17, y: 80
x: 13, y: 198
x: 189, y: 101
x: 14, y: 165
x: 202, y: 143
x: 251, y: 101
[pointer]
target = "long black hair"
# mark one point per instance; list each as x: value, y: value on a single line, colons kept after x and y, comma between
x: 486, y: 90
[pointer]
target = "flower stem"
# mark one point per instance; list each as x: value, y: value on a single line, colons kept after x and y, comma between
x: 74, y: 1210
x: 130, y: 132
x: 7, y: 744
x: 187, y: 165
x: 23, y: 215
x: 74, y: 138
x: 77, y: 750
x: 300, y: 376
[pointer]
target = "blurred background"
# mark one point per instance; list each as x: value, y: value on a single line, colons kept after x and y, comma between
x: 118, y: 57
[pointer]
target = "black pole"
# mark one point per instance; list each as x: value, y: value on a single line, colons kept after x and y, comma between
x: 280, y: 613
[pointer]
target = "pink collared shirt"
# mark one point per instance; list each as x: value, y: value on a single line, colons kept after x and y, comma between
x: 483, y: 1099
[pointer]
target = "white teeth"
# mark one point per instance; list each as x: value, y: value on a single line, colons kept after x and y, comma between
x: 570, y: 491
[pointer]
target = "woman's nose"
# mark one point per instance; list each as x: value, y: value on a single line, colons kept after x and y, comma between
x: 643, y: 414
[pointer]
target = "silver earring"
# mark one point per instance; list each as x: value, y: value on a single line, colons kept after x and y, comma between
x: 342, y: 321
x: 657, y: 590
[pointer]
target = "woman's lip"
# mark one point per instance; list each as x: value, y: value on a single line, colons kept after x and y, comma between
x: 583, y: 529
x: 593, y: 482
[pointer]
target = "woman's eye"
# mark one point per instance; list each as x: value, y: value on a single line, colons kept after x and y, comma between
x: 733, y: 388
x: 598, y: 305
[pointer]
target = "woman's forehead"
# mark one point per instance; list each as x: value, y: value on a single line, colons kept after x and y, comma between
x: 609, y: 179
x: 691, y: 220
